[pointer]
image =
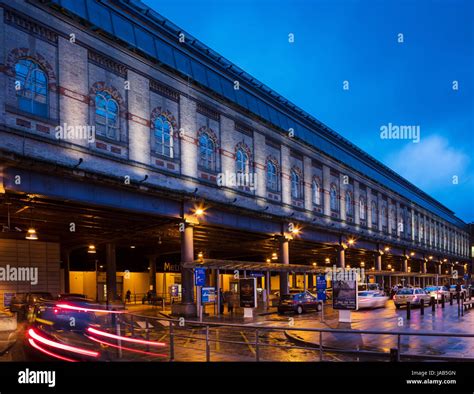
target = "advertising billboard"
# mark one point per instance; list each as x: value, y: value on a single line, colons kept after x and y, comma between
x: 248, y: 292
x: 344, y: 295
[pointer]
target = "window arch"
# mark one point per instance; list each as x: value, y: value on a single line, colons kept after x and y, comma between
x: 333, y: 198
x: 242, y: 161
x: 393, y: 223
x: 106, y: 115
x: 163, y: 136
x: 32, y: 92
x: 295, y: 184
x: 349, y: 210
x: 272, y: 176
x: 374, y: 212
x: 207, y: 152
x: 316, y: 192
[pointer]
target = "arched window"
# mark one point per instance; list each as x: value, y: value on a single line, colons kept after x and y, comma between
x: 374, y: 213
x: 207, y: 152
x: 349, y: 203
x: 163, y: 134
x: 316, y: 193
x: 295, y: 185
x: 106, y: 115
x: 362, y: 208
x: 242, y: 162
x: 32, y: 87
x: 333, y: 198
x: 272, y: 176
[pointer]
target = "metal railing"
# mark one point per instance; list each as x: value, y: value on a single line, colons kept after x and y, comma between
x: 179, y: 333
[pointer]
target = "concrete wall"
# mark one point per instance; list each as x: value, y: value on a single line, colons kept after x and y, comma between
x: 43, y: 256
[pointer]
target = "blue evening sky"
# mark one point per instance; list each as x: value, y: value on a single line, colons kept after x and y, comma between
x: 406, y: 83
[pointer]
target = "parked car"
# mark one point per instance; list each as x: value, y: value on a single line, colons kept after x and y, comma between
x: 298, y: 302
x: 371, y: 299
x: 437, y: 292
x: 71, y: 296
x: 24, y: 303
x: 413, y: 295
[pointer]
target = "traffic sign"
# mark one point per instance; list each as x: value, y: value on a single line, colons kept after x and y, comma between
x: 200, y: 276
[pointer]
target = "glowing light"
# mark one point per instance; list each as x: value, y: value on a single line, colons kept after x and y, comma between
x: 444, y: 260
x: 296, y: 230
x: 315, y: 264
x: 327, y: 260
x: 126, y: 339
x: 269, y: 260
x: 200, y: 255
x: 81, y: 309
x: 199, y: 211
x: 412, y: 253
x: 38, y: 347
x: 351, y: 241
x: 389, y: 266
x: 431, y: 257
x: 31, y: 234
x: 33, y: 334
x: 91, y: 249
x: 274, y: 256
x: 125, y: 348
x: 362, y: 264
x: 132, y: 246
x: 386, y: 249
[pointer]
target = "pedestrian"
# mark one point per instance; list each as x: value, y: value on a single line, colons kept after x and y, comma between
x: 221, y: 302
x: 230, y: 303
x: 128, y: 296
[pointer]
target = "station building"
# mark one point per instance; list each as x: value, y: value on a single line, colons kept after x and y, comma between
x: 128, y: 146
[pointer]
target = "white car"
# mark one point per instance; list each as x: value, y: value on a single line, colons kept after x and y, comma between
x: 437, y: 292
x: 371, y: 299
x: 413, y: 295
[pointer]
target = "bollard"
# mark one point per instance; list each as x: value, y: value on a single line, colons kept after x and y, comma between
x: 408, y: 310
x: 450, y: 298
x: 433, y: 304
x: 422, y: 307
x: 442, y: 300
x: 394, y: 356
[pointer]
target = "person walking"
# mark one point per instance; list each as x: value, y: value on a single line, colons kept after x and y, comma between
x: 128, y: 296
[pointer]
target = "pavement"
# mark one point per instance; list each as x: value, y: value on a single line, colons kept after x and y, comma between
x: 390, y: 320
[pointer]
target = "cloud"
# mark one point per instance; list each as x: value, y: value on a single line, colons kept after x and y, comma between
x: 430, y: 164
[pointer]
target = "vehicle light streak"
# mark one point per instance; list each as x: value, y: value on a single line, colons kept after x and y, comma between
x: 125, y: 339
x: 33, y: 334
x: 81, y: 309
x: 36, y: 346
x: 126, y: 348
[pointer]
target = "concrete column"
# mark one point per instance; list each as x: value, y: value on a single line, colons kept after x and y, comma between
x: 66, y: 264
x: 423, y: 267
x: 294, y: 281
x: 378, y: 262
x: 152, y: 273
x: 356, y: 203
x: 308, y: 183
x: 440, y: 268
x: 341, y: 257
x: 379, y: 207
x: 405, y: 265
x: 310, y: 281
x: 342, y: 197
x: 284, y: 259
x: 218, y: 287
x: 111, y: 274
x: 326, y: 189
x: 187, y: 255
x: 369, y: 207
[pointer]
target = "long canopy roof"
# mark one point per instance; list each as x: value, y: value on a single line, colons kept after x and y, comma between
x: 141, y: 28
